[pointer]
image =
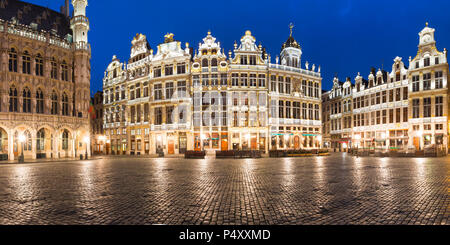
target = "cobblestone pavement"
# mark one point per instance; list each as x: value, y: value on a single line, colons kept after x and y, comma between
x: 338, y: 189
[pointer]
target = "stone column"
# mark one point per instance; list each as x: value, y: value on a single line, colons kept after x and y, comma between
x: 33, y: 145
x: 11, y: 144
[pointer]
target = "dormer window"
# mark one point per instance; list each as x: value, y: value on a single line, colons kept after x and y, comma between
x: 426, y: 62
x: 397, y: 76
x: 204, y: 52
x: 168, y: 70
x: 252, y: 60
x: 244, y: 60
x: 417, y: 64
x: 213, y: 52
x: 379, y: 80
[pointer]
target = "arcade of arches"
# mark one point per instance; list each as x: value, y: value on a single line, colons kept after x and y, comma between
x: 44, y: 142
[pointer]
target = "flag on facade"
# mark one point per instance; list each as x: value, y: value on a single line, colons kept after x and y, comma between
x: 92, y: 110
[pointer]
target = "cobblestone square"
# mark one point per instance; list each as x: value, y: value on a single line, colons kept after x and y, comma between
x: 338, y: 189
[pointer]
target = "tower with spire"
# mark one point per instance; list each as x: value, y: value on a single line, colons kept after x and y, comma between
x: 82, y: 55
x: 291, y: 52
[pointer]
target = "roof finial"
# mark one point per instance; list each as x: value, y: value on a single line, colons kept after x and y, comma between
x: 426, y: 23
x: 291, y: 26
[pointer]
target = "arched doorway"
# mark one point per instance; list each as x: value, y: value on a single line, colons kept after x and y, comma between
x: 65, y: 143
x: 3, y: 145
x: 297, y: 142
x: 43, y: 144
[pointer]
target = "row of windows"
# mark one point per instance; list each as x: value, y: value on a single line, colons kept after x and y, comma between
x: 26, y: 102
x: 427, y: 82
x: 169, y: 70
x: 397, y: 94
x: 39, y: 65
x: 426, y: 112
x: 296, y: 110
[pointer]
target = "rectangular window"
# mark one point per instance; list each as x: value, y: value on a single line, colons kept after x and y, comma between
x: 384, y: 116
x: 168, y: 70
x: 205, y: 80
x: 234, y: 79
x: 427, y: 107
x: 157, y: 72
x: 253, y: 80
x: 438, y: 80
x: 391, y: 95
x: 181, y: 68
x: 416, y: 108
x: 196, y: 80
x: 158, y: 91
x: 158, y: 116
x: 244, y: 80
x: 280, y: 85
x: 405, y: 114
x: 273, y: 83
x: 415, y: 83
x: 426, y: 62
x: 288, y: 109
x: 397, y: 115
x: 439, y: 106
x: 169, y: 115
x: 261, y: 80
x: 223, y: 79
x: 427, y: 81
x: 169, y: 90
x: 397, y: 94
x: 214, y: 79
x: 384, y: 96
x: 281, y: 109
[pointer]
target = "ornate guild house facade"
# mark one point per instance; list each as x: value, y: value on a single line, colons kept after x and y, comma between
x: 44, y: 81
x: 180, y: 100
x: 402, y: 110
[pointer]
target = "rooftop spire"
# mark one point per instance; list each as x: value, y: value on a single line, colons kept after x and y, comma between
x: 291, y: 26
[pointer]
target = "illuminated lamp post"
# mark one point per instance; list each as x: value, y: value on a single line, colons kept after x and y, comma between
x: 319, y: 138
x: 86, y: 140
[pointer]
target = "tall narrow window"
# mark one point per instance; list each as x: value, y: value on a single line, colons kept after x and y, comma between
x: 64, y: 71
x: 40, y: 140
x: 39, y: 101
x: 65, y: 105
x: 54, y: 110
x: 65, y: 140
x: 39, y: 65
x: 439, y: 106
x: 415, y: 83
x: 13, y: 102
x: 169, y: 90
x: 416, y: 108
x: 427, y: 81
x: 427, y: 107
x: 438, y: 79
x: 12, y: 60
x: 26, y: 96
x: 261, y: 80
x: 26, y: 63
x: 54, y: 69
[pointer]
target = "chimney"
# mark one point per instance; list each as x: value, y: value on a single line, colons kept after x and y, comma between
x: 67, y: 8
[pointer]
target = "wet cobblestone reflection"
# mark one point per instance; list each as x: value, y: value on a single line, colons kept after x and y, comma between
x: 337, y: 189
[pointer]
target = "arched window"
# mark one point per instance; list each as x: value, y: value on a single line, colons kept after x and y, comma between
x: 54, y: 71
x: 39, y: 101
x: 26, y: 96
x: 65, y: 140
x: 26, y: 63
x: 12, y: 60
x: 214, y: 62
x: 27, y: 143
x: 13, y: 99
x: 205, y: 63
x: 64, y: 71
x: 39, y: 65
x: 65, y: 105
x: 40, y: 140
x: 54, y: 103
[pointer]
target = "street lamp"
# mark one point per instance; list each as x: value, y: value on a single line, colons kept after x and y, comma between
x: 86, y: 140
x: 319, y: 138
x: 22, y: 139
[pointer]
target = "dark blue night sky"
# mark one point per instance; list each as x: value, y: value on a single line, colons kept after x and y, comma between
x: 343, y: 36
